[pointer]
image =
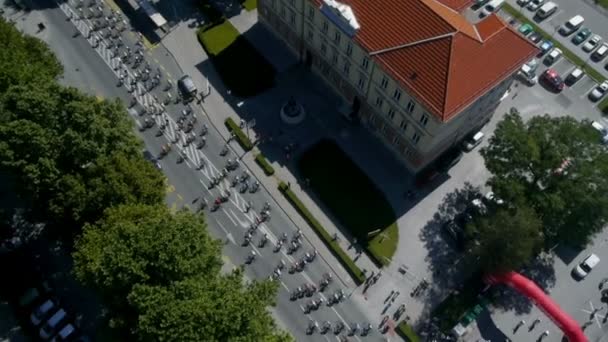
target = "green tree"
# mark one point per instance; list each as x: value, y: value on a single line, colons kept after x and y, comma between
x: 557, y: 166
x: 24, y: 59
x: 160, y: 276
x: 207, y: 308
x: 505, y: 239
x: 146, y: 245
x: 71, y: 154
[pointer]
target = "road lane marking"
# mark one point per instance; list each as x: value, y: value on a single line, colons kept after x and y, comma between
x: 228, y: 215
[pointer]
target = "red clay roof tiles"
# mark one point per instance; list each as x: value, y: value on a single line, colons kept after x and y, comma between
x: 444, y: 61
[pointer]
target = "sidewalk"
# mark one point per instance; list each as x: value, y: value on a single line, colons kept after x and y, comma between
x: 218, y: 110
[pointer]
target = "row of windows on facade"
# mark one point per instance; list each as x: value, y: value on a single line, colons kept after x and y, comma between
x: 424, y: 118
x: 403, y: 125
x: 396, y: 138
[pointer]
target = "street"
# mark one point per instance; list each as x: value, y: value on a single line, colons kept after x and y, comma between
x: 96, y: 71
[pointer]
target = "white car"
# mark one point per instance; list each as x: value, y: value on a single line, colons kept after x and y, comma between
x: 592, y: 43
x: 582, y: 269
x: 553, y: 56
x: 534, y: 5
x: 602, y: 130
x: 599, y: 91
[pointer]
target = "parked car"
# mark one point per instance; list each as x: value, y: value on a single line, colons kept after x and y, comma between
x: 42, y: 312
x: 574, y: 76
x: 535, y: 37
x: 525, y: 29
x: 186, y: 87
x: 491, y: 7
x: 148, y: 156
x: 522, y: 3
x: 581, y: 36
x: 552, y: 79
x: 602, y: 130
x: 600, y: 53
x: 67, y: 333
x: 583, y: 269
x: 527, y: 72
x: 592, y: 43
x: 572, y: 25
x: 449, y: 159
x: 546, y: 11
x: 599, y: 91
x: 479, y: 3
x: 473, y: 141
x: 553, y: 56
x: 545, y: 47
x: 53, y: 324
x: 534, y: 5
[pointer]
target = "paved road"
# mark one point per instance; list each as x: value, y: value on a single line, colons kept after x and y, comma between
x: 86, y: 70
x: 597, y: 22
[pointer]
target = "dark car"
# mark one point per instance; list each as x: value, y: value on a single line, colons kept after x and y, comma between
x: 535, y: 37
x: 545, y: 47
x: 148, y: 156
x: 552, y: 79
x: 186, y: 87
x: 449, y: 159
x: 581, y: 36
x: 455, y: 228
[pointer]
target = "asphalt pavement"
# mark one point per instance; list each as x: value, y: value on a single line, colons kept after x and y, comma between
x: 97, y: 71
x: 595, y: 20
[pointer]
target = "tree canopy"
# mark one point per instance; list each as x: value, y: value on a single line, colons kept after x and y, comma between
x: 160, y: 274
x: 504, y: 239
x: 558, y: 167
x: 72, y: 155
x: 24, y: 59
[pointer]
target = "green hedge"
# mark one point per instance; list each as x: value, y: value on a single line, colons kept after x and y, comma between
x: 334, y: 247
x: 232, y: 126
x: 264, y: 164
x: 603, y: 106
x: 405, y: 331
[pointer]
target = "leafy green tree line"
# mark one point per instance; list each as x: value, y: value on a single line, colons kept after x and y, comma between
x: 550, y: 172
x: 78, y: 165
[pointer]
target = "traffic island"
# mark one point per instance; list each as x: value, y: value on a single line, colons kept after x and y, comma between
x: 348, y: 263
x: 352, y: 198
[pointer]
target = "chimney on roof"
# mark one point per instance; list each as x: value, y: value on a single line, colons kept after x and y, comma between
x: 413, y: 76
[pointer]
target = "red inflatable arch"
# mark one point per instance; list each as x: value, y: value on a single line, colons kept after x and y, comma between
x: 529, y: 289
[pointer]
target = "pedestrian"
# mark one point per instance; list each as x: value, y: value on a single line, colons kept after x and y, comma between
x: 288, y: 185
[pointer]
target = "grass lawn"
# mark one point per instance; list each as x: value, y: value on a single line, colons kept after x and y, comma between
x: 351, y: 197
x: 603, y: 3
x: 250, y: 5
x: 244, y: 71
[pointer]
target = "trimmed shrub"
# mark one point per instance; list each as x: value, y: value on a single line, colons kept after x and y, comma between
x: 405, y: 331
x: 346, y: 261
x: 264, y: 164
x: 232, y: 126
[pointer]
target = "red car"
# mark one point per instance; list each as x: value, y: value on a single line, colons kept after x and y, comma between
x: 552, y: 79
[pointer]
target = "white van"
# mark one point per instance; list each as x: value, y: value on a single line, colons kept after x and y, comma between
x: 546, y: 10
x: 572, y: 25
x: 491, y: 7
x: 581, y: 270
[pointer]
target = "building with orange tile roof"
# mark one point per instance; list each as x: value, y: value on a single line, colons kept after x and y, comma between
x: 417, y: 72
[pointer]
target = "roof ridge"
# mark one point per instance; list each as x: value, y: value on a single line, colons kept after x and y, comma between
x: 460, y: 24
x: 402, y: 46
x: 447, y: 81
